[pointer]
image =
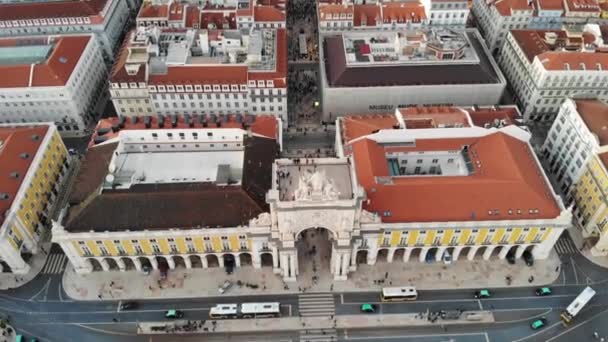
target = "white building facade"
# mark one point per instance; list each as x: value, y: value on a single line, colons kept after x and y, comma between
x: 206, y: 76
x: 540, y: 82
x: 104, y: 18
x: 70, y: 98
x: 574, y: 138
x: 497, y: 18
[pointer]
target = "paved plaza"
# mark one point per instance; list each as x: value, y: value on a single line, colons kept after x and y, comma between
x: 187, y: 283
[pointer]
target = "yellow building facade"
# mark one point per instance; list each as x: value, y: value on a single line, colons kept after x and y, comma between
x: 36, y: 161
x: 591, y: 204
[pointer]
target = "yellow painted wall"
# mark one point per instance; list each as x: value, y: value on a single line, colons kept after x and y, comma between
x: 163, y: 244
x: 395, y: 237
x: 413, y: 238
x: 531, y: 234
x: 498, y: 233
x: 515, y: 235
x: 481, y: 236
x: 110, y: 247
x: 180, y: 242
x: 216, y: 243
x: 234, y: 242
x: 93, y: 247
x: 447, y: 236
x: 77, y: 248
x: 199, y: 245
x: 546, y: 234
x: 464, y: 236
x: 430, y: 236
x: 146, y: 246
x: 128, y: 246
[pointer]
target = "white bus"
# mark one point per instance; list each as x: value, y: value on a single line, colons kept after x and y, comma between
x: 245, y: 310
x: 249, y: 310
x: 224, y: 311
x: 577, y: 305
x: 390, y: 294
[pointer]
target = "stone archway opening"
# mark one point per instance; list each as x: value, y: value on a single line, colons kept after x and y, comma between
x: 479, y: 253
x: 145, y: 263
x: 382, y: 255
x: 95, y: 264
x: 415, y: 255
x: 266, y: 259
x: 212, y: 260
x: 431, y: 255
x: 464, y: 253
x: 399, y: 254
x: 196, y: 261
x: 129, y: 264
x: 495, y: 252
x: 229, y: 262
x: 245, y: 259
x: 314, y: 248
x: 112, y: 264
x: 362, y: 257
x: 179, y: 261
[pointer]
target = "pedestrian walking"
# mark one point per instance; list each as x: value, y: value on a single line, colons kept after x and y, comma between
x: 99, y: 296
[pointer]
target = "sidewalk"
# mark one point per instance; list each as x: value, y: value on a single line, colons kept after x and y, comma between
x: 187, y: 283
x: 598, y: 260
x: 309, y: 323
x: 12, y: 280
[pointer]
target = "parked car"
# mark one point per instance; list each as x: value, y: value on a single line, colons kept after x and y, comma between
x: 369, y: 308
x: 543, y: 291
x: 528, y: 258
x: 482, y: 294
x: 174, y: 314
x: 128, y: 306
x: 538, y: 323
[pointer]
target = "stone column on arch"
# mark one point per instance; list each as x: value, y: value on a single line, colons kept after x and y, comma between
x: 121, y: 264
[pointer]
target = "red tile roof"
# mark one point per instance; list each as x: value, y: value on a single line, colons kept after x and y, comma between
x: 52, y: 9
x: 508, y: 179
x: 534, y: 45
x: 192, y: 16
x: 595, y: 116
x: 176, y: 11
x: 403, y: 11
x: 55, y: 71
x: 218, y: 19
x: 279, y: 76
x: 356, y: 126
x: 328, y: 11
x: 550, y: 5
x: 118, y: 73
x: 153, y: 11
x: 14, y: 141
x: 268, y: 14
x: 505, y: 7
x: 196, y: 74
x: 369, y: 12
x: 583, y: 6
x: 483, y: 116
x: 264, y: 125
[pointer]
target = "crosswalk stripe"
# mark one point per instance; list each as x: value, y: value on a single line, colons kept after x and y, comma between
x: 54, y: 264
x: 316, y: 305
x: 565, y: 246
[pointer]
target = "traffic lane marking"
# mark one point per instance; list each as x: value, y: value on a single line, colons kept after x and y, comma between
x: 390, y: 337
x: 464, y: 300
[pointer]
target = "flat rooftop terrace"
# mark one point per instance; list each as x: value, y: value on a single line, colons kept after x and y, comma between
x: 437, y: 46
x: 221, y: 167
x: 29, y: 54
x: 339, y: 73
x: 314, y: 181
